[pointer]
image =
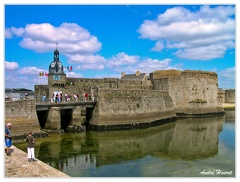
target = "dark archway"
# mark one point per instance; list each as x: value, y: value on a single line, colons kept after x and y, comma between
x: 42, y: 118
x: 66, y: 117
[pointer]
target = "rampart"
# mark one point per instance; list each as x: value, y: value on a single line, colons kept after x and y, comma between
x: 23, y: 116
x: 131, y: 108
x: 192, y: 92
x: 131, y: 103
x: 230, y: 96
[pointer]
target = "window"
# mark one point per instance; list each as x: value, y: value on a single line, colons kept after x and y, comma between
x: 56, y: 77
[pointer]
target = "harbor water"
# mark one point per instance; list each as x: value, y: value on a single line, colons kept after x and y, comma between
x: 188, y: 147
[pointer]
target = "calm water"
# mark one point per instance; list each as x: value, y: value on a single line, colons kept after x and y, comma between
x: 193, y: 147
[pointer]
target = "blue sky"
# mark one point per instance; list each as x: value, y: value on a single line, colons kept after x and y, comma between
x: 104, y: 40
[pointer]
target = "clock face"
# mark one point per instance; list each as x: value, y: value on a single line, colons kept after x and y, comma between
x: 60, y: 65
x: 52, y: 65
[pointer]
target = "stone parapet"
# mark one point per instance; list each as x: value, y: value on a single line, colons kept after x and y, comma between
x: 23, y: 116
x: 131, y: 107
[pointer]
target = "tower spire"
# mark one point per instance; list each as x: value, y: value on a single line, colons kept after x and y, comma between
x: 56, y: 45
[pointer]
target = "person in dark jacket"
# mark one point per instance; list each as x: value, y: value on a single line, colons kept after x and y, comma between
x: 8, y: 138
x: 30, y: 147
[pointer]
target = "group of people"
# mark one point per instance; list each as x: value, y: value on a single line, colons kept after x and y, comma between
x: 29, y: 139
x: 59, y: 98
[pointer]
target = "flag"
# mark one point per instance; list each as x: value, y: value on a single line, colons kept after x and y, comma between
x: 69, y: 68
x: 41, y: 74
x: 46, y: 74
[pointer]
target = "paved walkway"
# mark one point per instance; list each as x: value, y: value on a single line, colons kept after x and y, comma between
x: 17, y: 165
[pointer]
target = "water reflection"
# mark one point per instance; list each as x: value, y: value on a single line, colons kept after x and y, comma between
x: 195, y: 138
x: 230, y: 116
x: 187, y: 139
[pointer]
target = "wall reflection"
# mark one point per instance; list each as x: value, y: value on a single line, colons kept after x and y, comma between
x: 188, y: 139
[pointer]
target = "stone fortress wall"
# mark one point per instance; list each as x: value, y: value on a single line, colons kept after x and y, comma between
x: 165, y: 94
x: 133, y: 100
x: 230, y: 96
x: 192, y: 92
x: 23, y: 116
x: 161, y: 95
x: 127, y: 108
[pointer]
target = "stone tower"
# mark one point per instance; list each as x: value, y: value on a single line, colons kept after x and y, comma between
x: 56, y: 76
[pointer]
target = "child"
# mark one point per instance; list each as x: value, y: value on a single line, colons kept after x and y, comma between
x: 30, y: 148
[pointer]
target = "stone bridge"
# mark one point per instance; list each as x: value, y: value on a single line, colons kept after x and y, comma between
x: 56, y: 116
x: 64, y: 105
x: 27, y: 115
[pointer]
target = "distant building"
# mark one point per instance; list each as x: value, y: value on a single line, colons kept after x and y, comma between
x: 12, y: 94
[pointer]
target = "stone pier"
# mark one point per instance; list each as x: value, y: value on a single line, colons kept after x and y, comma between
x: 17, y: 166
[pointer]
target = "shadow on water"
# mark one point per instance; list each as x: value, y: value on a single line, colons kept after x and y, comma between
x: 186, y: 139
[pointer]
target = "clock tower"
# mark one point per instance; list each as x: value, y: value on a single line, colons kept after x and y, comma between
x: 56, y: 75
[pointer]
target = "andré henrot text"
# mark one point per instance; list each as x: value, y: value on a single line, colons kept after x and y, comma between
x: 215, y: 172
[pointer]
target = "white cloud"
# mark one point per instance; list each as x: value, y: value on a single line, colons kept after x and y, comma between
x: 90, y: 67
x: 187, y: 31
x: 130, y: 64
x: 85, y: 59
x: 227, y: 77
x: 71, y: 38
x: 201, y: 53
x: 8, y: 33
x: 122, y: 59
x: 11, y: 66
x: 149, y: 65
x: 83, y: 62
x: 228, y: 73
x: 21, y: 80
x: 159, y: 46
x: 73, y: 75
x: 30, y: 71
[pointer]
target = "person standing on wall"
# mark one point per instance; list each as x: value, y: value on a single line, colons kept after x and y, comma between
x: 30, y: 148
x: 8, y: 138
